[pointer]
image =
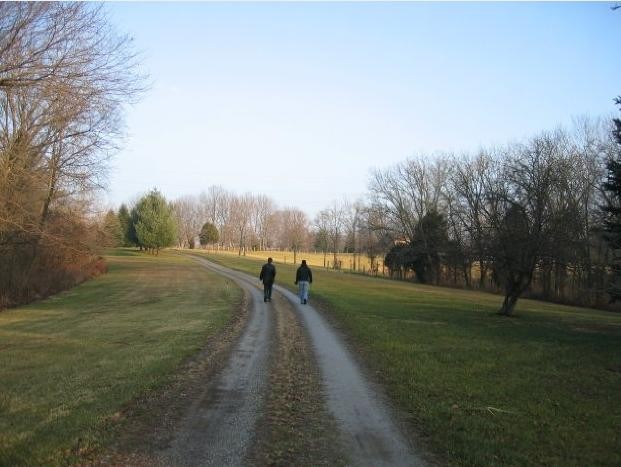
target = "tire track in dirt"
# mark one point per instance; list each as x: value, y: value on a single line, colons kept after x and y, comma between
x: 296, y: 428
x: 220, y: 426
x: 368, y: 428
x: 289, y: 393
x: 367, y: 425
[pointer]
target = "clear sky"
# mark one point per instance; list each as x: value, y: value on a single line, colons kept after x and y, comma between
x: 299, y: 101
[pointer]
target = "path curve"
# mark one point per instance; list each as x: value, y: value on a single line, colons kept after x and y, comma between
x: 219, y: 427
x: 364, y: 417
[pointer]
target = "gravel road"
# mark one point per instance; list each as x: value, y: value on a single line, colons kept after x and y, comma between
x: 363, y: 416
x: 279, y: 388
x: 219, y: 427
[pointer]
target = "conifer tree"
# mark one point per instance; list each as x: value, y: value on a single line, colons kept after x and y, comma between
x: 155, y: 224
x: 209, y: 234
x: 612, y: 210
x: 125, y: 221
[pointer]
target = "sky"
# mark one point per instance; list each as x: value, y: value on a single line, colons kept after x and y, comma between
x: 301, y: 101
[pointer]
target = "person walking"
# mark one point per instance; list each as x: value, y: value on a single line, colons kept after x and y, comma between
x: 303, y: 279
x: 268, y: 274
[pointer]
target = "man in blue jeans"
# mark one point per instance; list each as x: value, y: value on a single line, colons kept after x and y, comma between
x: 303, y: 279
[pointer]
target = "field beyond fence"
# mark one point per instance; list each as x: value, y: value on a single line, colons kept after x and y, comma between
x: 345, y: 261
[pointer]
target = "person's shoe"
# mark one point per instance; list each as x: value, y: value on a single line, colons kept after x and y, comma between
x: 265, y: 299
x: 305, y: 301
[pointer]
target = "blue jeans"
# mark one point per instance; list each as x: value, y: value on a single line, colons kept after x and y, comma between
x: 303, y: 288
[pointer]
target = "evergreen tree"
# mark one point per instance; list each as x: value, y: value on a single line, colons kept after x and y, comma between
x: 612, y: 211
x: 424, y: 253
x: 429, y: 246
x: 155, y: 224
x: 132, y: 236
x: 209, y: 234
x: 125, y: 223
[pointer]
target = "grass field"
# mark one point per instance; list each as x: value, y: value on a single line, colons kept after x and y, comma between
x: 69, y: 364
x: 312, y: 258
x: 543, y: 388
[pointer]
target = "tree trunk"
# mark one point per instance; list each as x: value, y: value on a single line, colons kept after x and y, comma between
x: 482, y: 274
x: 508, y: 305
x: 466, y: 271
x: 546, y: 279
x: 515, y: 286
x: 241, y: 243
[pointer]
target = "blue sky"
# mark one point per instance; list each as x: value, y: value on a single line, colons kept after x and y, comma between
x: 299, y: 101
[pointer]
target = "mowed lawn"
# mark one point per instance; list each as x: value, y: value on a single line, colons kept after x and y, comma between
x: 543, y: 388
x: 69, y: 364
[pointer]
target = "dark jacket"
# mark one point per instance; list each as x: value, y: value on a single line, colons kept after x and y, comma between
x: 268, y: 273
x: 303, y: 274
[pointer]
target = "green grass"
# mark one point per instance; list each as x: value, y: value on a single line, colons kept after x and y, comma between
x: 543, y: 388
x: 70, y: 363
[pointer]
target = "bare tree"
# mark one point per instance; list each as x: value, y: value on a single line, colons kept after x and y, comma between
x: 460, y: 252
x: 188, y: 220
x: 262, y: 220
x: 374, y: 239
x: 241, y: 215
x: 335, y: 222
x: 211, y: 202
x: 215, y: 207
x: 470, y: 185
x: 64, y: 77
x: 523, y: 224
x: 294, y: 230
x: 321, y: 229
x: 408, y: 191
x: 352, y: 221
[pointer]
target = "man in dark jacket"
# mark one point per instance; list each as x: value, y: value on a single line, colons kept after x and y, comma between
x: 268, y: 274
x: 303, y: 279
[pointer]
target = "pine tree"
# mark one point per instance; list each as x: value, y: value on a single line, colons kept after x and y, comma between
x: 155, y: 224
x: 612, y: 210
x: 125, y: 222
x: 209, y: 234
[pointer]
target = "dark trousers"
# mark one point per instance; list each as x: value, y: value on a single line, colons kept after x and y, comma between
x: 267, y: 291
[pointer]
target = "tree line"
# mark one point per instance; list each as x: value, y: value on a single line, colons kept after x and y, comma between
x: 536, y: 217
x: 527, y: 217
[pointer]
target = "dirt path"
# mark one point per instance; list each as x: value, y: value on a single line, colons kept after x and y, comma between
x: 281, y: 390
x: 364, y: 419
x: 226, y: 415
